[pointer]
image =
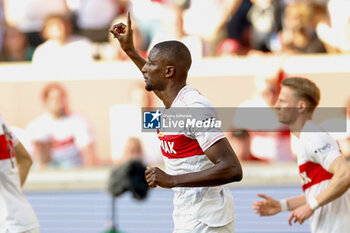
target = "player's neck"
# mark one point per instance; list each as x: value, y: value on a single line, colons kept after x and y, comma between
x: 169, y: 94
x: 297, y: 126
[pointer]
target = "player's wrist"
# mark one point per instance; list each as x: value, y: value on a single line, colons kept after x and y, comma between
x: 173, y: 181
x: 284, y: 205
x: 129, y: 49
x: 313, y: 203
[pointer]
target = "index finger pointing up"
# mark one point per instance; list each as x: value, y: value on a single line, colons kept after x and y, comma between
x: 129, y: 21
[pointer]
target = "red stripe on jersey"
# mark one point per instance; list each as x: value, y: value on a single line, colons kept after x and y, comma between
x: 4, y: 150
x: 179, y: 146
x: 313, y: 173
x: 58, y: 144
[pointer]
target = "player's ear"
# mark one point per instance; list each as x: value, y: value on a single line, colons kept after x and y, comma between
x: 169, y: 71
x: 302, y: 106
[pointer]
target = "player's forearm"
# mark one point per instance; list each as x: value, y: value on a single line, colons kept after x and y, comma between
x: 338, y: 185
x: 295, y: 202
x: 23, y: 169
x: 24, y: 161
x: 219, y: 174
x: 134, y: 55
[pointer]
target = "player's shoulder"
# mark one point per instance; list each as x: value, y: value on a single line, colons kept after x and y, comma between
x: 191, y: 97
x: 316, y: 139
x: 313, y: 133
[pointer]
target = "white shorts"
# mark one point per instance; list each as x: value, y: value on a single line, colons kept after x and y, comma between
x: 203, y: 228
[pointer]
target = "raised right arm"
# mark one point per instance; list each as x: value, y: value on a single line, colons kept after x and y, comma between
x: 124, y: 34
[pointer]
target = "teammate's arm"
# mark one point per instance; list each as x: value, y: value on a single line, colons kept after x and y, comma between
x: 270, y: 206
x: 295, y: 202
x: 124, y: 35
x: 226, y: 169
x: 338, y: 185
x: 24, y: 162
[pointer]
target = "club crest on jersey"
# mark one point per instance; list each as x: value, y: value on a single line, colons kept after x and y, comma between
x: 151, y: 119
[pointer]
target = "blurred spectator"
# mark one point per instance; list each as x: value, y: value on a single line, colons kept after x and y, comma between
x: 229, y: 47
x: 149, y: 20
x: 29, y: 15
x: 126, y: 122
x: 2, y: 12
x: 238, y: 24
x: 61, y: 47
x: 344, y: 138
x: 265, y: 19
x: 270, y: 139
x: 94, y: 18
x: 60, y: 138
x: 2, y: 21
x: 298, y: 33
x: 208, y: 20
x: 15, y: 46
x: 173, y: 29
x: 240, y: 142
x: 336, y: 36
x: 112, y: 50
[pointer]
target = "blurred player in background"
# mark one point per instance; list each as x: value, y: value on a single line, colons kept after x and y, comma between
x: 197, y: 163
x: 324, y: 173
x: 60, y: 138
x: 16, y: 214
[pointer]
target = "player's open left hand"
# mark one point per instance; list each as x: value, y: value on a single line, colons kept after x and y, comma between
x: 124, y: 34
x: 266, y: 207
x: 300, y: 214
x: 156, y: 177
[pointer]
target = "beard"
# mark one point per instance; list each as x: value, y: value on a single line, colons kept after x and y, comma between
x: 149, y: 87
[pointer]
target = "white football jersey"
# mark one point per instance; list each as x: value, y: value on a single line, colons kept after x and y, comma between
x: 183, y: 153
x: 316, y: 151
x: 16, y: 214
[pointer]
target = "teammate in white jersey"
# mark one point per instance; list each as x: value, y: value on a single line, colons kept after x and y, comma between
x: 16, y: 214
x: 195, y: 161
x: 324, y: 172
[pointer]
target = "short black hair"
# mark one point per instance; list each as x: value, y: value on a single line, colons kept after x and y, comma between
x: 176, y: 52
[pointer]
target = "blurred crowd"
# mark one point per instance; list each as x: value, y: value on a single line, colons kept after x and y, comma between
x: 66, y: 31
x: 42, y: 31
x: 63, y: 138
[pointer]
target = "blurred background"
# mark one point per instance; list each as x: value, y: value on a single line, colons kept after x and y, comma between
x: 74, y: 98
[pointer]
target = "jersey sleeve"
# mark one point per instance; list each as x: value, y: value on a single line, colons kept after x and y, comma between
x: 206, y: 136
x: 322, y: 148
